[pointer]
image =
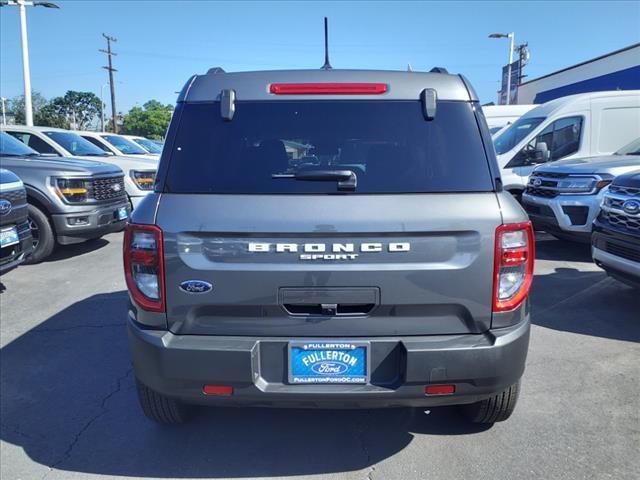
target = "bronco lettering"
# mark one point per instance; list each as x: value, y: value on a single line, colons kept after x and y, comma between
x: 315, y: 251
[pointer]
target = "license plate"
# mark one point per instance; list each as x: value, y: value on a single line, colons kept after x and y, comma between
x: 339, y: 362
x: 122, y: 213
x: 9, y: 236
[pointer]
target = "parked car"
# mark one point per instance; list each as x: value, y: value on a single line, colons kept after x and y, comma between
x: 616, y: 236
x: 69, y: 200
x: 140, y: 173
x: 576, y: 126
x: 379, y: 278
x: 564, y: 197
x: 15, y: 236
x: 500, y: 116
x: 117, y: 144
x: 152, y: 146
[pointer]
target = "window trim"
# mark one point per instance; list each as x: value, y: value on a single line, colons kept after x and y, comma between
x: 59, y: 151
x: 580, y: 135
x: 542, y: 127
x: 98, y: 143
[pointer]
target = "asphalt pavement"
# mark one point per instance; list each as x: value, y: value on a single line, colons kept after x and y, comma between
x: 68, y: 407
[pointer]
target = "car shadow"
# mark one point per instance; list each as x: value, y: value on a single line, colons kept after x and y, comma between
x: 583, y: 300
x: 68, y: 399
x: 553, y: 249
x: 63, y: 252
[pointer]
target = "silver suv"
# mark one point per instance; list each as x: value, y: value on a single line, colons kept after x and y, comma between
x: 564, y: 197
x: 328, y: 252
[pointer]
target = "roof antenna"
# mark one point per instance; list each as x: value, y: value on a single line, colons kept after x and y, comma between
x: 327, y: 65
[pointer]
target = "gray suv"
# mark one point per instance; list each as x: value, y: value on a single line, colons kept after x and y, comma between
x: 345, y: 243
x: 15, y: 235
x: 69, y: 200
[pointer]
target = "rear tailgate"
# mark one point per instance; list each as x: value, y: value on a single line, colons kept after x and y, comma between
x: 426, y: 268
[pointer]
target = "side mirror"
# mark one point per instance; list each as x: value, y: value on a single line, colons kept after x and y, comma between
x: 541, y: 153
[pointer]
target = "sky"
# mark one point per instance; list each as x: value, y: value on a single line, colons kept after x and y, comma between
x: 161, y: 43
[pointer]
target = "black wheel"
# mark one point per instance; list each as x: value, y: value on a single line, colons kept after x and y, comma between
x: 43, y: 237
x: 161, y: 409
x: 495, y: 409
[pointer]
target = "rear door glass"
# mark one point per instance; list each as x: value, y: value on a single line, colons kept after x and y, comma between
x: 387, y: 144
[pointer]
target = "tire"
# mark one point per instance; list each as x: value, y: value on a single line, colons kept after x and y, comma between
x: 494, y: 409
x: 161, y: 409
x: 44, y: 240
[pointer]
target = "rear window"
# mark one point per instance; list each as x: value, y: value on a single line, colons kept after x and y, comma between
x: 387, y: 144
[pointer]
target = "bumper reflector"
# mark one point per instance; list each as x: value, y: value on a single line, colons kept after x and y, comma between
x: 439, y: 389
x: 225, y: 390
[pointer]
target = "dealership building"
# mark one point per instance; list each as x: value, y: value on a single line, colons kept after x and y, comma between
x: 619, y: 70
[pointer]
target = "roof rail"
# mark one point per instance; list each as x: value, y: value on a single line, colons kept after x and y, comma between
x: 439, y: 70
x: 214, y: 70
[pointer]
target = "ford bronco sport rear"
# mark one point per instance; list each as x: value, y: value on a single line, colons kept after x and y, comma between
x: 328, y: 239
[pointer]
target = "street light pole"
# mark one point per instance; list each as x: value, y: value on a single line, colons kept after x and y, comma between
x: 4, y: 116
x: 512, y: 37
x: 26, y: 72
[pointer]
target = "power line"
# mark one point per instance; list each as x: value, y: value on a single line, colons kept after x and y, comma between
x: 110, y: 69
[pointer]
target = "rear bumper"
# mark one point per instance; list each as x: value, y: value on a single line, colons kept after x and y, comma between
x: 571, y: 215
x: 97, y: 222
x: 479, y: 365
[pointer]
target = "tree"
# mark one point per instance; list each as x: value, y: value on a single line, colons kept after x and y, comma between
x: 151, y: 121
x: 81, y: 108
x: 48, y: 116
x: 43, y: 114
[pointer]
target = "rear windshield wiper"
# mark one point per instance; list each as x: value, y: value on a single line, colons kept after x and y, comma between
x: 347, y: 179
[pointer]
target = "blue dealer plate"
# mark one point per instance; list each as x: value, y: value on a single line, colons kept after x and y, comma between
x: 8, y: 237
x: 339, y: 362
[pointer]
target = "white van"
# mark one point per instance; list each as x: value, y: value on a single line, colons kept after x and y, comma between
x: 499, y: 116
x: 583, y: 125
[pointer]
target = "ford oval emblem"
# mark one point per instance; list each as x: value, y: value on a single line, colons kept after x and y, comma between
x: 632, y: 207
x: 5, y: 207
x: 195, y: 286
x: 330, y: 368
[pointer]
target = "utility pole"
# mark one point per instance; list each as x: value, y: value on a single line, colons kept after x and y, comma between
x: 110, y: 69
x: 102, y: 106
x: 524, y: 55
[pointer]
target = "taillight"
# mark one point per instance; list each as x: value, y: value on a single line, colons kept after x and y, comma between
x: 513, y: 271
x: 143, y: 266
x: 327, y: 88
